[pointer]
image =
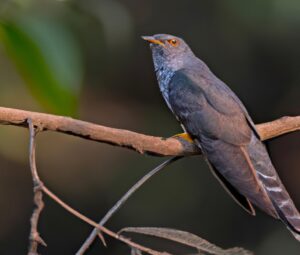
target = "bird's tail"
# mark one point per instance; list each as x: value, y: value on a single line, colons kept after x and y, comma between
x: 291, y: 221
x: 282, y: 202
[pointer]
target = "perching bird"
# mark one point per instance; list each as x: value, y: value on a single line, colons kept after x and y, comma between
x: 217, y: 121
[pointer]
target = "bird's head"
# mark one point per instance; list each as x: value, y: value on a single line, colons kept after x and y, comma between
x: 168, y: 51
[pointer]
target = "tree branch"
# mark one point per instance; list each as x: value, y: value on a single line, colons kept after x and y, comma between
x: 99, y: 227
x: 34, y: 237
x: 124, y: 138
x: 174, y: 146
x: 87, y: 243
x: 39, y: 188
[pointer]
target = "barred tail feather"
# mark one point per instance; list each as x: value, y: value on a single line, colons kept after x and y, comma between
x: 292, y: 222
x: 282, y: 202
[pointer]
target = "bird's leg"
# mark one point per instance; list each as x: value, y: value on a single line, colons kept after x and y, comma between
x: 184, y: 136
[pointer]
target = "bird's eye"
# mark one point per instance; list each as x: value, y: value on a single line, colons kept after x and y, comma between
x: 173, y: 42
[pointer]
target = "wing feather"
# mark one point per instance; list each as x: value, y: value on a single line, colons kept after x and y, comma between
x: 219, y: 124
x: 218, y: 121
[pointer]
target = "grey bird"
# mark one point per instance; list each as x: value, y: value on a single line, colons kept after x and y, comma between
x: 217, y: 121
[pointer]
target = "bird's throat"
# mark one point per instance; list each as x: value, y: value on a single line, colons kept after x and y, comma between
x: 164, y: 76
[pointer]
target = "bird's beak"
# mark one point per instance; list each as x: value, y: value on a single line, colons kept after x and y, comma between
x: 151, y: 39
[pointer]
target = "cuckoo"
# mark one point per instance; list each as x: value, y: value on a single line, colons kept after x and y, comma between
x: 217, y: 121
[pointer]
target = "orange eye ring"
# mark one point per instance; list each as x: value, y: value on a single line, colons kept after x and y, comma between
x: 173, y: 42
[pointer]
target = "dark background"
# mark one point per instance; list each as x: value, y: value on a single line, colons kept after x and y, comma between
x: 252, y: 45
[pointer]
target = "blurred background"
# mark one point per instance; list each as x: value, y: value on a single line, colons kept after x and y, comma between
x: 86, y: 59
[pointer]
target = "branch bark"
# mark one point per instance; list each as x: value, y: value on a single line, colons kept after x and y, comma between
x: 141, y: 143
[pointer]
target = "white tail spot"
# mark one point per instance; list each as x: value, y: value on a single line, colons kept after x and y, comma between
x: 266, y: 176
x: 274, y: 189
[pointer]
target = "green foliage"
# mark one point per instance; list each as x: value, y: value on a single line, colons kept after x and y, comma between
x: 47, y: 57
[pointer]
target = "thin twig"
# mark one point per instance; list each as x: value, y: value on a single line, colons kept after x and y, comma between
x: 120, y: 202
x: 101, y: 228
x: 34, y: 237
x: 132, y: 140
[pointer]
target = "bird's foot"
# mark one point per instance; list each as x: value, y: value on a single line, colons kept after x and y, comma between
x: 184, y: 136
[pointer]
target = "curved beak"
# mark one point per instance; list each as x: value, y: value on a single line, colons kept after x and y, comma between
x: 151, y: 39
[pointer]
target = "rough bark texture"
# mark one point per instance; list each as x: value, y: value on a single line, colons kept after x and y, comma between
x: 124, y: 138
